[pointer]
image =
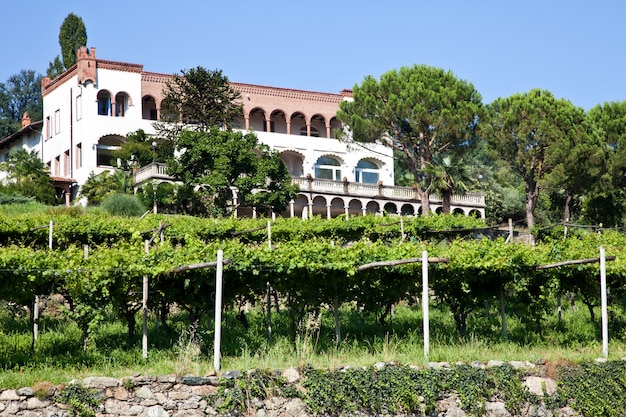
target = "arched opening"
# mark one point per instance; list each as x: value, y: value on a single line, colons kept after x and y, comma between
x: 372, y: 207
x: 122, y: 101
x: 390, y: 208
x: 319, y: 206
x: 355, y: 208
x: 318, y: 126
x: 104, y: 103
x: 407, y: 210
x: 300, y: 205
x: 367, y: 172
x: 328, y: 168
x: 294, y: 163
x: 334, y: 125
x: 458, y: 211
x: 298, y: 122
x: 278, y: 121
x: 337, y: 207
x: 148, y: 108
x: 257, y: 120
x: 476, y: 214
x: 106, y: 146
x: 169, y: 112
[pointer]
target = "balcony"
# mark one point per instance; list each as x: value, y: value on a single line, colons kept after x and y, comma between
x: 330, y: 198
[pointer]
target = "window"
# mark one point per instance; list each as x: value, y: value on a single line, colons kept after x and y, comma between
x: 78, y: 156
x: 57, y: 165
x: 149, y: 110
x: 105, y: 148
x: 57, y: 122
x: 121, y: 104
x: 79, y: 107
x: 66, y: 163
x: 104, y: 103
x: 48, y: 128
x: 367, y: 172
x: 328, y: 168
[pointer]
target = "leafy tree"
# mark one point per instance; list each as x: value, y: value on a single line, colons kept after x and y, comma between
x: 214, y: 161
x: 20, y: 94
x: 201, y: 99
x: 28, y: 176
x: 418, y: 110
x: 534, y: 133
x: 605, y: 202
x: 55, y: 68
x: 138, y: 150
x: 448, y: 175
x: 72, y: 35
x: 582, y: 165
x: 98, y: 187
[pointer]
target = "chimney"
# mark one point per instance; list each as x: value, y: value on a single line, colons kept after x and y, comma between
x: 25, y: 120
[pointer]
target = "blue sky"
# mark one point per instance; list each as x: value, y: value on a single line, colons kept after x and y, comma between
x: 575, y: 49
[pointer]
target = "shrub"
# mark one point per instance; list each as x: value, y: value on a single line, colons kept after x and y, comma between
x: 123, y: 205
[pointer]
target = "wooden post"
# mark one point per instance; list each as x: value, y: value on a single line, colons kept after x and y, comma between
x: 218, y: 311
x: 605, y: 321
x: 144, y: 309
x: 269, y: 312
x: 425, y: 303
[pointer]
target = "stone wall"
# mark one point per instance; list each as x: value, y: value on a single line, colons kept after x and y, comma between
x: 172, y: 396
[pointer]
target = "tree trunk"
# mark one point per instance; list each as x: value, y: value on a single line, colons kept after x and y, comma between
x: 566, y: 209
x: 446, y: 201
x: 132, y: 321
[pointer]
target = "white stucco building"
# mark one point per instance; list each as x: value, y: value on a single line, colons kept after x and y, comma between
x: 89, y: 109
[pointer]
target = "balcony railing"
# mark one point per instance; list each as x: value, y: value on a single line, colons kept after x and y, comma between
x: 158, y: 171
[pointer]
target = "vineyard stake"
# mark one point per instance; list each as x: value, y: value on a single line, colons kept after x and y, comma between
x: 144, y: 308
x: 425, y: 303
x: 218, y: 311
x: 605, y: 321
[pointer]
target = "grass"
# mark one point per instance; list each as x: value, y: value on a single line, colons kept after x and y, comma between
x: 187, y: 350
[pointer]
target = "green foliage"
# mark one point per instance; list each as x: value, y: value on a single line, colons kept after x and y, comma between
x: 28, y: 176
x: 98, y: 187
x: 394, y: 389
x: 72, y: 35
x: 217, y: 160
x: 595, y: 389
x: 422, y: 110
x: 543, y: 139
x: 204, y: 99
x: 80, y: 401
x: 235, y: 395
x: 123, y: 205
x: 20, y: 94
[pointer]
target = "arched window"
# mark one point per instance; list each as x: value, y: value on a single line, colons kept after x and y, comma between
x: 104, y: 103
x: 367, y: 172
x: 328, y: 168
x: 121, y: 104
x: 106, y: 146
x: 149, y: 108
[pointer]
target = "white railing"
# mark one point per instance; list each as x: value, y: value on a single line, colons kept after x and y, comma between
x: 155, y: 170
x: 308, y: 184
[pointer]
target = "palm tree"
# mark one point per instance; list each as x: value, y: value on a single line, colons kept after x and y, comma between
x: 448, y: 176
x: 97, y: 187
x: 28, y: 176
